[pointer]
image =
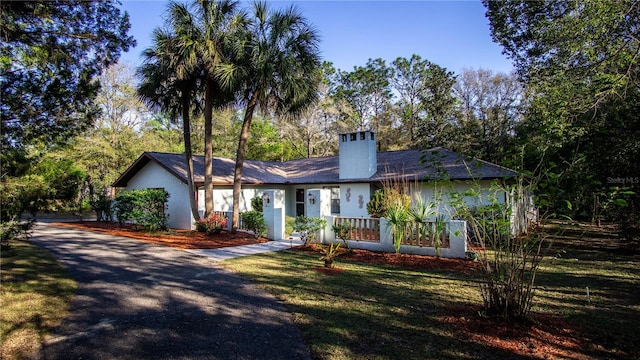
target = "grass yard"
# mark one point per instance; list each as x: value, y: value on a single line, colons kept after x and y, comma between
x: 585, y: 256
x: 382, y: 312
x: 34, y: 297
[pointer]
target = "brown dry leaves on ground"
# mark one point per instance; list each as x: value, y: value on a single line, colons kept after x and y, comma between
x: 547, y: 337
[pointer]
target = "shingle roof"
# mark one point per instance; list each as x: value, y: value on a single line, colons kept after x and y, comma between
x: 436, y: 163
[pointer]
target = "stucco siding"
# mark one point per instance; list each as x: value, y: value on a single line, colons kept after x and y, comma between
x: 441, y: 194
x: 354, y: 199
x: 153, y: 175
x: 223, y: 197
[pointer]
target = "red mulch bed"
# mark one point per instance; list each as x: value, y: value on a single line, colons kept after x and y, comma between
x: 419, y: 262
x: 182, y: 239
x: 546, y: 337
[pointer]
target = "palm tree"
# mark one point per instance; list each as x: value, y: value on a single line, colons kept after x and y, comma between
x: 204, y: 33
x: 169, y: 84
x: 277, y: 71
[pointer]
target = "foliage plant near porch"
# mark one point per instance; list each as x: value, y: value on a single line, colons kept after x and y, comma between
x: 254, y: 221
x: 145, y: 207
x: 394, y: 204
x: 409, y: 217
x: 509, y: 261
x: 309, y: 228
x: 212, y: 224
x: 342, y: 231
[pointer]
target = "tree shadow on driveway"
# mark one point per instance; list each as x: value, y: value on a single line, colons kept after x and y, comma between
x: 143, y: 301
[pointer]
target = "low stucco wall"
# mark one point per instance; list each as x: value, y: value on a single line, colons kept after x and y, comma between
x: 457, y: 230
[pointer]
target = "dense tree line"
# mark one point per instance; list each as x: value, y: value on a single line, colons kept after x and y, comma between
x: 579, y: 63
x: 50, y: 58
x: 567, y: 115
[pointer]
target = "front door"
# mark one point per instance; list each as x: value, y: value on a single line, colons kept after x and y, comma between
x: 299, y: 202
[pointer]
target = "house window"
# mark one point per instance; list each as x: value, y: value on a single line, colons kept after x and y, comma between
x: 335, y: 199
x: 373, y: 137
x: 299, y: 202
x: 363, y: 136
x: 344, y: 137
x: 353, y: 137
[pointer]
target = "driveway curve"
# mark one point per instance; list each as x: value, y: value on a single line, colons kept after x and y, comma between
x: 142, y: 301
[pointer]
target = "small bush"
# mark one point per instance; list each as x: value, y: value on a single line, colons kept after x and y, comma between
x: 254, y: 221
x: 376, y: 207
x: 102, y: 206
x: 329, y: 253
x: 256, y: 204
x: 143, y: 207
x: 342, y: 232
x: 309, y: 228
x: 14, y: 230
x: 211, y: 225
x: 509, y: 263
x: 288, y: 224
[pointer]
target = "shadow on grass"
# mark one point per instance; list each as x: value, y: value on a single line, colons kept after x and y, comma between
x: 141, y: 301
x: 375, y: 311
x: 592, y: 279
x: 371, y: 311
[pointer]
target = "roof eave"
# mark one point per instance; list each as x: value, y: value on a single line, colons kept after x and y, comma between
x: 132, y: 170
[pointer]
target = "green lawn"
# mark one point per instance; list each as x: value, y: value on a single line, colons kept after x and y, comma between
x: 584, y: 256
x: 34, y: 297
x: 378, y: 312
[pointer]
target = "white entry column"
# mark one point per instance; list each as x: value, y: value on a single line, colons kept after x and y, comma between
x: 273, y: 212
x: 319, y: 206
x: 318, y: 203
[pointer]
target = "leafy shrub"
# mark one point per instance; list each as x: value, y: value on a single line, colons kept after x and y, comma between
x: 211, y: 225
x: 509, y: 268
x: 288, y: 224
x: 625, y: 209
x: 256, y: 203
x: 342, y: 232
x: 28, y: 193
x: 34, y: 185
x: 329, y: 253
x: 102, y: 207
x: 384, y: 199
x: 309, y: 228
x: 397, y: 223
x: 254, y: 221
x: 143, y: 207
x: 376, y: 207
x: 124, y: 204
x: 14, y: 230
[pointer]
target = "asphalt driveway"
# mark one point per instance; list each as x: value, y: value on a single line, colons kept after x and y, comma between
x: 142, y: 301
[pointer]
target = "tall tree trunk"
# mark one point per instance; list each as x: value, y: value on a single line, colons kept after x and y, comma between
x: 186, y: 124
x: 208, y: 148
x: 242, y: 144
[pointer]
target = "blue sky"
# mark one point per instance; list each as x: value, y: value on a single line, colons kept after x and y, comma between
x: 453, y: 34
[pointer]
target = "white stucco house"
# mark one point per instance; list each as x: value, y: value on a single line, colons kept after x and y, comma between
x: 348, y: 180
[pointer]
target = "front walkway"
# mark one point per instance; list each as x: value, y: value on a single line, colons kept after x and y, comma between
x: 245, y: 250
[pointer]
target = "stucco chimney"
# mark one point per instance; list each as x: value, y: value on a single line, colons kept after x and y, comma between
x: 357, y: 155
